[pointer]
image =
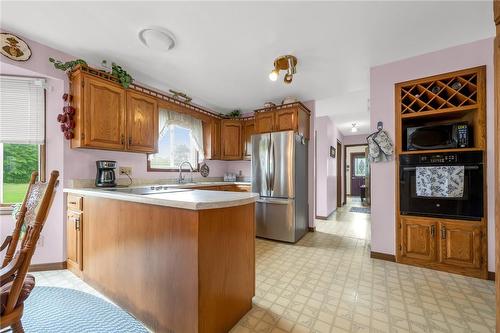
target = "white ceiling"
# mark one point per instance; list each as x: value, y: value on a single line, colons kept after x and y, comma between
x: 225, y: 50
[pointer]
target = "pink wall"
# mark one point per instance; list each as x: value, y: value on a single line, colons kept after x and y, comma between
x: 355, y: 139
x: 382, y: 80
x: 326, y: 166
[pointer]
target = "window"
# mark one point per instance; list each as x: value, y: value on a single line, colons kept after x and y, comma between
x: 180, y: 139
x: 22, y: 135
x: 360, y: 166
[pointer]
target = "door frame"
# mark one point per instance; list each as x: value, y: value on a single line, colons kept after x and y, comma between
x: 345, y: 164
x: 339, y: 173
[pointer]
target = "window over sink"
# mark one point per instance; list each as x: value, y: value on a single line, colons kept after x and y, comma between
x: 180, y: 139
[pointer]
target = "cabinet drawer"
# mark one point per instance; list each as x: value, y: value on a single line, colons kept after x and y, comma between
x: 75, y: 202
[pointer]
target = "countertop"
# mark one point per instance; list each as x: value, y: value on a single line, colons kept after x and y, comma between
x: 186, y: 197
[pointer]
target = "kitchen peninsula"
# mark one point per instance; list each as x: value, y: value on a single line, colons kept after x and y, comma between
x: 179, y: 261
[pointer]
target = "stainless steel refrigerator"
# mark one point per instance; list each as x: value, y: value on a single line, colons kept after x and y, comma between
x: 279, y: 175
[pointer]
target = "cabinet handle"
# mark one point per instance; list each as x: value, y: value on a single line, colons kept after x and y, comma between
x: 433, y: 230
x: 130, y: 140
x: 77, y: 224
x: 123, y: 139
x: 443, y: 232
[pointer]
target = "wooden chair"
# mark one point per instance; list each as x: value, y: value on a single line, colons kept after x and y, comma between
x: 15, y: 283
x: 11, y: 241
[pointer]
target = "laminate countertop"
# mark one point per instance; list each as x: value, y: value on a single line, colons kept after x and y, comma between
x: 185, y: 197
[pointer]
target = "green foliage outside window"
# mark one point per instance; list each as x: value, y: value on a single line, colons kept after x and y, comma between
x: 19, y: 161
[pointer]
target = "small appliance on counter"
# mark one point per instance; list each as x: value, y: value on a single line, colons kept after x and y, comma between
x: 440, y: 136
x: 105, y: 176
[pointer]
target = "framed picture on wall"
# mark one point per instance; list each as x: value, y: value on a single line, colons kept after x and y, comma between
x: 332, y: 151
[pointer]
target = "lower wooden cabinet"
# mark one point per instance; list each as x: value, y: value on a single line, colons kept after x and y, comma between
x: 74, y: 234
x: 455, y: 246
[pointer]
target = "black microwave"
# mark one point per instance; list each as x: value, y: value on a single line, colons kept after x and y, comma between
x: 443, y: 136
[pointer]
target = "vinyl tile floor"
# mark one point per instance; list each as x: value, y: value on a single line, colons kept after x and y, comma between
x: 327, y: 282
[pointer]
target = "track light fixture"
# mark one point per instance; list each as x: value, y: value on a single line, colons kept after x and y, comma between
x: 286, y: 63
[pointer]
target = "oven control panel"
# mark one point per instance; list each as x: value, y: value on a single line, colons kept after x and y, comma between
x: 439, y: 158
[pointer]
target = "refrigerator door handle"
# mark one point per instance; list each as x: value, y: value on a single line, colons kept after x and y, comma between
x: 274, y: 201
x: 273, y: 159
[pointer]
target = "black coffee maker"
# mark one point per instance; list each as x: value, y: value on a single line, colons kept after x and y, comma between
x: 105, y: 174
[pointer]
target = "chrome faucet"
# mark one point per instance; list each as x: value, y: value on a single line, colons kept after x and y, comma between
x: 181, y: 177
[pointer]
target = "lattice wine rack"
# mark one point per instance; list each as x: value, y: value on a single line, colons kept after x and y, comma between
x: 452, y: 92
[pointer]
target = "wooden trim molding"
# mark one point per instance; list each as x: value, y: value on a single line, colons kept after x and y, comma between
x: 53, y: 266
x: 311, y: 229
x: 491, y: 276
x: 383, y: 256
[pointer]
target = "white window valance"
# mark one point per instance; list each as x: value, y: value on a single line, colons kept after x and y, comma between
x: 22, y: 110
x: 195, y: 125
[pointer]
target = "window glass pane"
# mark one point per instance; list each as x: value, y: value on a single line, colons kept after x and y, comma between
x: 175, y: 147
x: 19, y: 161
x: 360, y: 167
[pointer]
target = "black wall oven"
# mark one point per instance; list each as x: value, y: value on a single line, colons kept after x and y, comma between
x: 425, y: 191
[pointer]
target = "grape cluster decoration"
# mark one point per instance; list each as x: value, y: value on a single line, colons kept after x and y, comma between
x: 66, y: 118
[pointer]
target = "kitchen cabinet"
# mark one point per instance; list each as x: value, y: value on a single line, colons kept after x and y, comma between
x: 248, y: 131
x: 419, y: 241
x: 142, y: 123
x: 214, y: 141
x: 110, y: 117
x: 264, y: 122
x: 288, y: 117
x: 231, y: 130
x: 74, y: 234
x: 103, y: 115
x: 454, y: 246
x: 460, y: 244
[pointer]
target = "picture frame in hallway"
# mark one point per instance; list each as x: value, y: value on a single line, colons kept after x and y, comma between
x: 332, y: 151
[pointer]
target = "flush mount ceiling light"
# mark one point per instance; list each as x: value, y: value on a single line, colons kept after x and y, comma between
x: 157, y: 39
x: 354, y: 128
x: 286, y: 63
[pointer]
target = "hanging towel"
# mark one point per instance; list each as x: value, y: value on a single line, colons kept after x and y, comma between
x: 440, y: 181
x: 380, y: 147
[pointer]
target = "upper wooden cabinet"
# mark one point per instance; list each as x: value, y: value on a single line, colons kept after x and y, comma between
x: 102, y: 115
x: 111, y: 117
x: 288, y: 117
x: 142, y: 123
x: 248, y: 131
x: 213, y: 140
x: 231, y: 130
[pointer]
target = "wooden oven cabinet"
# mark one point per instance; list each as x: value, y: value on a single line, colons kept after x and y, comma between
x: 288, y: 117
x: 110, y: 117
x: 455, y: 246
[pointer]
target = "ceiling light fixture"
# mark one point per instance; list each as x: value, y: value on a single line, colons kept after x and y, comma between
x: 157, y: 39
x: 354, y: 128
x: 286, y: 63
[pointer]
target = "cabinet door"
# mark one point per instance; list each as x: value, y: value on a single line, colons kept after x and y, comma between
x: 286, y: 120
x: 142, y: 123
x: 216, y: 139
x: 104, y: 115
x: 264, y: 122
x: 231, y: 139
x: 461, y: 244
x: 418, y: 238
x: 248, y: 131
x: 74, y: 240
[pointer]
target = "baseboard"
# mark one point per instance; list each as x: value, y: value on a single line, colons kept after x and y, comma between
x: 491, y: 276
x: 312, y: 229
x: 319, y: 217
x: 383, y: 256
x: 52, y: 266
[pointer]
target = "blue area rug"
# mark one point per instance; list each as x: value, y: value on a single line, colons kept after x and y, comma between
x: 364, y: 210
x: 50, y: 309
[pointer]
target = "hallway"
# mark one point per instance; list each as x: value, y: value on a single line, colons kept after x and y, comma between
x: 346, y: 223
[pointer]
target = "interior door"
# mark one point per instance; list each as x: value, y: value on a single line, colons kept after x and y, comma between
x: 282, y: 164
x: 358, y: 173
x: 339, y: 174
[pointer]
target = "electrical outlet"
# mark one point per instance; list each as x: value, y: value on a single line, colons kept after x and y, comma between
x: 125, y: 171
